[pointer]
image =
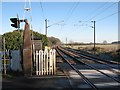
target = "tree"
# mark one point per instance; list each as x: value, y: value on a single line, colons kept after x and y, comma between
x: 43, y: 38
x: 54, y: 41
x: 14, y: 40
x: 104, y: 42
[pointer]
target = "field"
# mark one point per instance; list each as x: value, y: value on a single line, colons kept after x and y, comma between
x: 106, y: 48
x: 108, y: 51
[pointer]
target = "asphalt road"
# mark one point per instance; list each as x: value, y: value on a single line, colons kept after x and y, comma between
x: 58, y: 81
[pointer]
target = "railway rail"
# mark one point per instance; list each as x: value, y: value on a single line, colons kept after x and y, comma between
x: 84, y: 78
x: 78, y: 59
x: 85, y: 54
x: 106, y: 63
x: 73, y: 58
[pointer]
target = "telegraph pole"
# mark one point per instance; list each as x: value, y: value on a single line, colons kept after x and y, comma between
x: 46, y: 27
x: 94, y: 35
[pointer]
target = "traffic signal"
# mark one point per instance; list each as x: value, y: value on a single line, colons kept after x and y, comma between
x: 16, y: 22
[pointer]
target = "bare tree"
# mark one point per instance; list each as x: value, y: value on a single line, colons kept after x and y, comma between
x: 104, y: 42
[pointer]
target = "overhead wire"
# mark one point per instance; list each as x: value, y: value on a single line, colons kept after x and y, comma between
x: 41, y: 6
x: 94, y: 12
x: 42, y: 10
x: 55, y: 23
x: 103, y: 11
x: 107, y: 16
x: 72, y: 9
x: 69, y: 10
x: 91, y: 13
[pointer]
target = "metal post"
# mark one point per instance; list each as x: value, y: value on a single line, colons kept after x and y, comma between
x: 4, y: 58
x: 18, y: 22
x: 46, y: 27
x: 66, y: 41
x: 94, y: 37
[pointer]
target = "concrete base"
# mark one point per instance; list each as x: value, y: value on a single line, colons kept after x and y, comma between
x: 27, y: 61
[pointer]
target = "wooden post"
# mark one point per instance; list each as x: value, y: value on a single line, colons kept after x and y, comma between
x: 42, y: 61
x: 36, y: 62
x: 51, y: 62
x: 44, y: 64
x: 54, y: 59
x: 39, y: 62
x: 46, y: 61
x: 34, y: 59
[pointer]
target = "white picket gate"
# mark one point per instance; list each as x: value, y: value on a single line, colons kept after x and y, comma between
x: 45, y: 62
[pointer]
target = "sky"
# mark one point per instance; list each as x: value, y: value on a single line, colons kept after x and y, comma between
x: 77, y: 17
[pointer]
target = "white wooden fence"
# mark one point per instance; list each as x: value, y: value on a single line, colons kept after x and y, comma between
x: 45, y: 62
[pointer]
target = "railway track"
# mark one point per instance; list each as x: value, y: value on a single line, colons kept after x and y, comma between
x: 91, y: 56
x: 107, y: 64
x: 65, y: 57
x: 83, y: 62
x: 84, y: 70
